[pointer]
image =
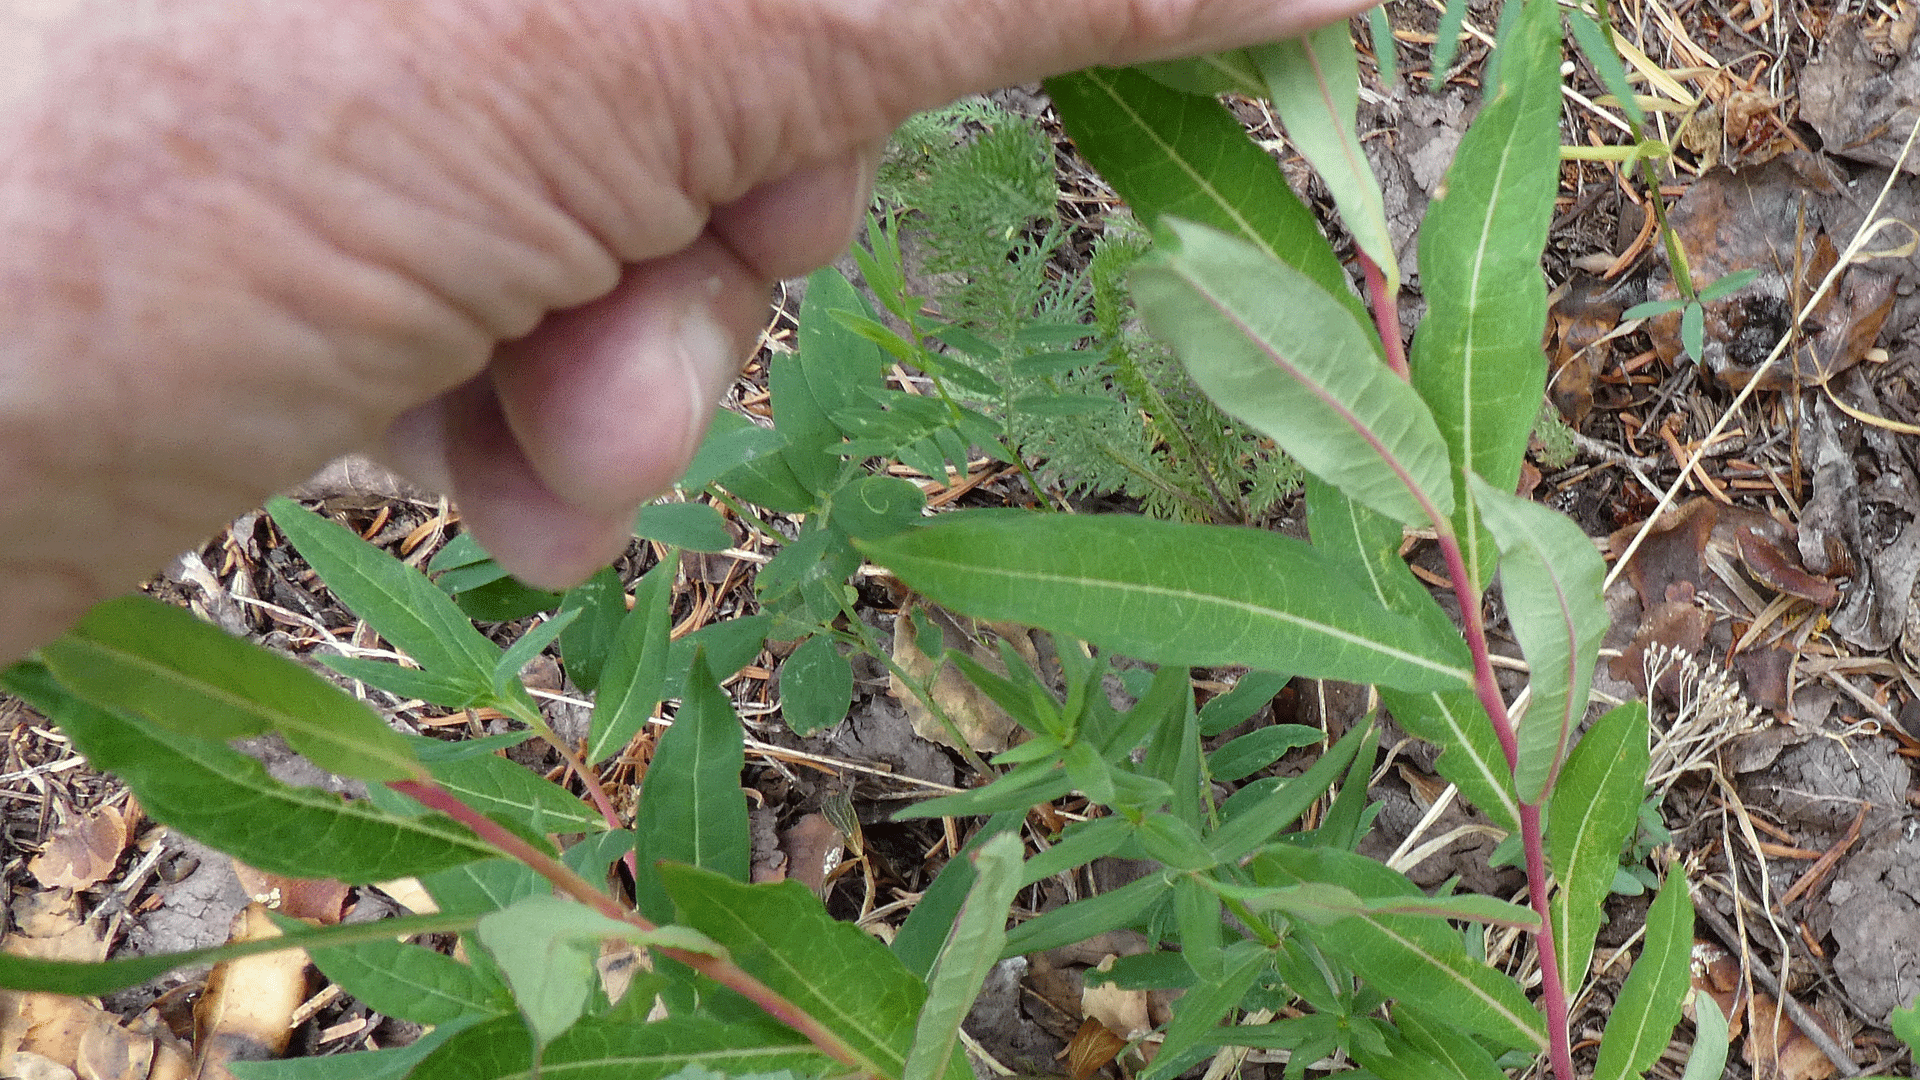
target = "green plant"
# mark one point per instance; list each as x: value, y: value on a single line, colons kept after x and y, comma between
x: 757, y: 979
x: 1104, y: 407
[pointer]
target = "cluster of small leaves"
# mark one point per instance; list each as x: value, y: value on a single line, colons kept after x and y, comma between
x: 1105, y: 407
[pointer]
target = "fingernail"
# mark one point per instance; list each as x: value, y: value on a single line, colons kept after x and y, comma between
x: 709, y: 361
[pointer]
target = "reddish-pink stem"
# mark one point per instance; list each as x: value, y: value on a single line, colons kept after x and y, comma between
x: 721, y: 970
x: 1386, y: 315
x: 1553, y: 993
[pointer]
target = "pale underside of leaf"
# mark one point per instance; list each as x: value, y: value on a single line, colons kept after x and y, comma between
x: 1276, y: 351
x: 1314, y: 83
x: 1550, y: 577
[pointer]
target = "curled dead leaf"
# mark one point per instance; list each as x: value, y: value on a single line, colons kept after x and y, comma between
x: 984, y: 725
x: 82, y: 852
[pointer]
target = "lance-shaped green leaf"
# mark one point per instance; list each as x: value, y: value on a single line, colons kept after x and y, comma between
x: 1200, y: 1009
x: 691, y: 808
x: 1441, y: 1041
x: 1144, y: 589
x: 394, y: 598
x: 1314, y: 82
x: 1323, y: 902
x: 158, y: 662
x: 597, y: 1049
x: 970, y: 953
x: 1649, y: 1003
x: 1083, y: 919
x: 1169, y: 153
x: 546, y: 948
x: 226, y: 799
x: 1230, y: 72
x: 1472, y: 759
x: 1476, y: 359
x: 410, y: 982
x: 502, y: 789
x: 1550, y: 577
x: 1276, y: 351
x: 1606, y: 61
x: 1707, y: 1058
x: 1594, y: 810
x: 836, y: 973
x: 634, y: 675
x: 77, y: 979
x: 1418, y: 960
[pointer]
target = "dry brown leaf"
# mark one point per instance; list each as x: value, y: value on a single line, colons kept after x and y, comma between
x: 111, y: 1052
x: 985, y: 726
x: 24, y: 1065
x: 246, y: 1012
x: 1091, y: 1048
x: 809, y: 844
x: 83, y: 852
x: 320, y: 900
x: 1124, y: 1012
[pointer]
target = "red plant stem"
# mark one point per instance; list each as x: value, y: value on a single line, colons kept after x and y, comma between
x: 1386, y: 316
x: 720, y: 969
x: 1553, y: 994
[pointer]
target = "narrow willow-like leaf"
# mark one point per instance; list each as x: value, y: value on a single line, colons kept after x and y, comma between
x: 1232, y: 72
x: 158, y: 662
x: 1446, y: 42
x: 634, y: 674
x: 76, y: 979
x: 226, y: 799
x: 1384, y: 52
x: 1083, y: 919
x: 1606, y: 61
x: 410, y: 982
x: 585, y: 643
x: 971, y: 951
x: 1314, y: 82
x: 394, y: 598
x: 694, y: 526
x: 609, y: 1050
x: 1472, y: 759
x: 1414, y: 959
x: 823, y: 377
x: 1649, y: 1003
x: 1707, y: 1058
x: 836, y: 973
x: 496, y: 786
x: 920, y: 938
x: 1446, y: 1045
x: 406, y: 682
x: 506, y: 671
x: 1550, y: 577
x: 546, y: 948
x: 1274, y: 812
x: 1199, y: 1011
x: 1594, y: 809
x: 691, y: 807
x: 1476, y: 359
x: 1174, y: 154
x: 1140, y: 588
x: 1275, y: 350
x: 1324, y: 902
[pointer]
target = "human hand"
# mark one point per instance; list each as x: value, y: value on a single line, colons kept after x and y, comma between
x: 523, y: 244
